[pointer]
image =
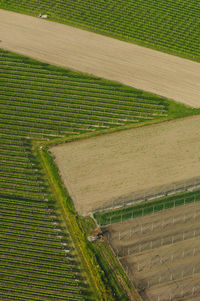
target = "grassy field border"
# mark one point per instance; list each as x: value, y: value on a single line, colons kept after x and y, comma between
x: 143, y: 208
x: 71, y: 219
x: 97, y: 269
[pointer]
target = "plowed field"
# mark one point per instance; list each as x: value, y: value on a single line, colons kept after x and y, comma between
x: 114, y: 168
x: 161, y: 252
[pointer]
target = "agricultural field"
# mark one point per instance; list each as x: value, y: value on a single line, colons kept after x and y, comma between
x: 138, y: 67
x: 40, y: 102
x: 38, y: 260
x: 161, y: 252
x: 44, y: 247
x: 171, y: 26
x: 110, y: 170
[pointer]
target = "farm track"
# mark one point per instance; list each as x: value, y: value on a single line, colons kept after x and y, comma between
x: 170, y: 76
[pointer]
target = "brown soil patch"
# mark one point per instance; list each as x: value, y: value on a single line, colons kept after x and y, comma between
x: 118, y: 167
x: 161, y: 252
x: 136, y: 66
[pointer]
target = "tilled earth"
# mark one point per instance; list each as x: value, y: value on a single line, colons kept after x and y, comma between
x: 161, y: 252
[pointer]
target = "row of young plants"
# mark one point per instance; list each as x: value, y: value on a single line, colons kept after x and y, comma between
x: 34, y: 241
x: 52, y: 79
x: 169, y: 26
x: 109, y: 217
x: 92, y: 106
x: 39, y: 293
x: 91, y: 120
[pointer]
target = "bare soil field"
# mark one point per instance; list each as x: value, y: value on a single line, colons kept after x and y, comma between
x: 136, y: 66
x: 112, y: 168
x: 161, y: 252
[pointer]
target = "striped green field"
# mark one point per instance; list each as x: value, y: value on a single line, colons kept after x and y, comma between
x: 171, y: 26
x: 109, y: 217
x: 41, y: 102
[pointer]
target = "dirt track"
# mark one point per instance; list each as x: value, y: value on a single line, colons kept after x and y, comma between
x: 104, y: 170
x: 62, y: 45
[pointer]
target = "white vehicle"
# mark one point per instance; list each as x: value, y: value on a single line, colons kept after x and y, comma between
x: 43, y: 16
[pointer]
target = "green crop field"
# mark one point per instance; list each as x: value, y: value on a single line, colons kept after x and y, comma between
x: 109, y: 217
x: 41, y: 102
x: 171, y: 26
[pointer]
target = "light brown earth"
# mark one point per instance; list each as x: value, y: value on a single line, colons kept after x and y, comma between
x: 161, y: 252
x: 109, y: 169
x: 136, y: 66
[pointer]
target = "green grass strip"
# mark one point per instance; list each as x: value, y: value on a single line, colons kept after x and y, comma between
x: 144, y: 208
x: 89, y: 260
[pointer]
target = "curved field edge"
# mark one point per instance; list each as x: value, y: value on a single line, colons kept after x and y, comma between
x: 127, y: 21
x: 172, y: 108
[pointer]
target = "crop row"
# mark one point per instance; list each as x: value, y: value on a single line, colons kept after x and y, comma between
x: 93, y: 118
x: 50, y: 126
x: 26, y: 208
x: 119, y: 215
x: 57, y: 266
x: 37, y: 204
x: 37, y: 269
x: 39, y: 292
x: 37, y: 233
x: 31, y: 131
x: 71, y: 289
x: 68, y: 90
x: 34, y: 249
x: 97, y: 96
x: 67, y: 282
x: 77, y: 106
x: 24, y: 201
x: 90, y: 106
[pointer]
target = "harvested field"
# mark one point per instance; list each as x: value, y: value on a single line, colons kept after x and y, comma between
x: 161, y: 252
x: 136, y: 66
x: 109, y: 169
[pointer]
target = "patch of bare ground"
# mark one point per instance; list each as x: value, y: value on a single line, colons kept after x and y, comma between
x: 118, y: 167
x: 161, y: 252
x: 133, y: 65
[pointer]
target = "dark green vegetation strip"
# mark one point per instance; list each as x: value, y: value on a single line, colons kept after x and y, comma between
x: 170, y: 26
x: 42, y: 104
x: 97, y: 256
x: 78, y: 230
x: 127, y: 212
